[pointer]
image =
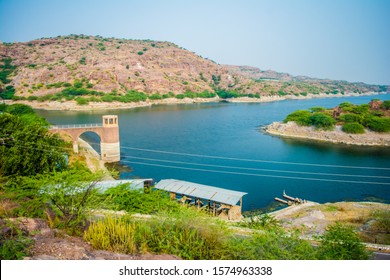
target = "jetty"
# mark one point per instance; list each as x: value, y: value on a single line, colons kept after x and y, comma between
x: 290, y: 200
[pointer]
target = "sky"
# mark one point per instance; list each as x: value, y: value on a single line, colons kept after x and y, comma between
x: 335, y: 39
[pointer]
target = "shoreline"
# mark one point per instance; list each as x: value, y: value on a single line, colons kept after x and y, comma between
x: 72, y: 105
x: 336, y: 136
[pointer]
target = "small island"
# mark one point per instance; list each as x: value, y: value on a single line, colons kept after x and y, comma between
x: 364, y: 125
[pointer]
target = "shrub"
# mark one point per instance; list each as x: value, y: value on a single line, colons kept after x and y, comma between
x: 8, y: 93
x: 82, y: 60
x: 189, y: 235
x: 340, y: 242
x: 180, y: 96
x: 322, y: 121
x: 317, y: 109
x: 347, y: 106
x: 190, y: 94
x: 361, y: 109
x: 107, y: 98
x: 140, y: 53
x: 378, y: 124
x: 32, y: 98
x: 353, y: 127
x: 14, y: 248
x: 301, y: 117
x: 386, y: 105
x: 227, y: 94
x: 382, y: 220
x: 81, y: 101
x: 271, y: 245
x: 349, y: 118
x: 155, y: 96
x: 135, y: 96
x: 123, y: 197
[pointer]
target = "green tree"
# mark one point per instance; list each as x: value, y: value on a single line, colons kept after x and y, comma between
x: 27, y: 147
x: 70, y: 195
x: 301, y: 117
x: 322, y: 121
x: 340, y: 242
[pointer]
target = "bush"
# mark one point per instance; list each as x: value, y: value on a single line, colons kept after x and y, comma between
x: 227, y: 94
x: 140, y: 53
x: 340, y: 242
x: 386, y: 105
x: 271, y: 245
x: 353, y: 127
x: 82, y: 101
x: 155, y: 96
x: 123, y: 197
x: 378, y: 124
x: 301, y: 117
x: 8, y: 93
x: 322, y: 121
x: 32, y: 98
x: 349, y: 118
x: 190, y: 236
x: 15, y: 248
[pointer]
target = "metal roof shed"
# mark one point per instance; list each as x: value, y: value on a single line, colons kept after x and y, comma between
x: 200, y: 191
x: 227, y: 198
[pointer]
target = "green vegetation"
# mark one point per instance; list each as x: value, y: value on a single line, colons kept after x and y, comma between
x: 28, y: 147
x: 68, y: 198
x: 82, y: 60
x: 386, y: 105
x: 15, y: 246
x: 378, y: 124
x: 353, y: 128
x: 340, y: 242
x: 353, y: 118
x: 322, y: 121
x: 6, y: 69
x: 301, y: 117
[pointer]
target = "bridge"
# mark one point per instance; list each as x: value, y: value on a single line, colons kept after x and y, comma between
x: 108, y: 131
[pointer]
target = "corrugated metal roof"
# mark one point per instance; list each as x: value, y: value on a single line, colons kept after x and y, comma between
x: 200, y: 191
x: 134, y: 184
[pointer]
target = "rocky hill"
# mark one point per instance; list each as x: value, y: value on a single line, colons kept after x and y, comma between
x: 79, y: 65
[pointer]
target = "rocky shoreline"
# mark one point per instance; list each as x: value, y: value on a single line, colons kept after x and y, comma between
x: 73, y: 106
x: 337, y: 136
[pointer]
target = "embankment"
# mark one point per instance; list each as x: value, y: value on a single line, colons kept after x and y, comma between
x: 73, y: 106
x: 337, y: 136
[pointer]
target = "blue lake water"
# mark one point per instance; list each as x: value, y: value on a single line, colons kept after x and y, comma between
x: 221, y: 144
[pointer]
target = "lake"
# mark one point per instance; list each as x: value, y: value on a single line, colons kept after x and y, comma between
x: 222, y: 145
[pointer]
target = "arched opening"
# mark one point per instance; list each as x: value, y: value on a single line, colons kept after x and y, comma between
x: 90, y: 142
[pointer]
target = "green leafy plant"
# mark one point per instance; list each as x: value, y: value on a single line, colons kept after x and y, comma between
x: 340, y: 242
x: 322, y: 121
x: 353, y: 127
x: 301, y: 117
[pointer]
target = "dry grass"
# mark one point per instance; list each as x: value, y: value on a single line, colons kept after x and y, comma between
x: 314, y: 219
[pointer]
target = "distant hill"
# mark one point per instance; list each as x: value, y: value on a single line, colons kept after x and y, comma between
x: 79, y: 65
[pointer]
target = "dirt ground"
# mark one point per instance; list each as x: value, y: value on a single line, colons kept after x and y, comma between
x: 313, y: 218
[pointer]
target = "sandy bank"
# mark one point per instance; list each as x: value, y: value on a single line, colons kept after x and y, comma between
x: 337, y: 136
x: 73, y: 106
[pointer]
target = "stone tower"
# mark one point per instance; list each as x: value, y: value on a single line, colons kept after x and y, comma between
x: 109, y: 145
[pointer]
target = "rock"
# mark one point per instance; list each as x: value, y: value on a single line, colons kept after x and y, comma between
x: 32, y: 226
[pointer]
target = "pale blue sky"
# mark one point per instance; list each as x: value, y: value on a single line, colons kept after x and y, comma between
x: 336, y: 39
